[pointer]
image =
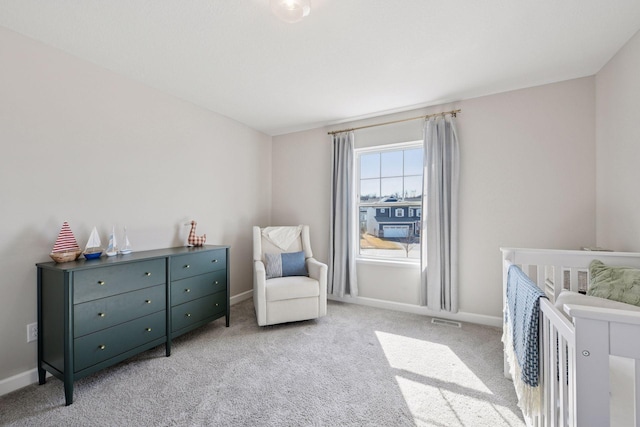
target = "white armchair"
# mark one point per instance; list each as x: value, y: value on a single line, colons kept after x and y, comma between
x: 289, y: 298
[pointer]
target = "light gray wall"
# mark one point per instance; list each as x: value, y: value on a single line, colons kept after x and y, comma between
x: 301, y: 170
x: 84, y: 145
x: 527, y: 179
x: 618, y: 150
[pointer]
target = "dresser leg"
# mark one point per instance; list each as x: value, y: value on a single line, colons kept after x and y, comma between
x: 42, y: 376
x: 227, y: 319
x: 68, y: 392
x: 167, y: 349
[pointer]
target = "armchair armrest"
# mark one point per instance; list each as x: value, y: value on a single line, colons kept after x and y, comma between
x: 318, y: 271
x: 259, y: 292
x: 259, y: 272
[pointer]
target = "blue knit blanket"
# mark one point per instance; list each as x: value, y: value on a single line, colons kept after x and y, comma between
x: 523, y: 301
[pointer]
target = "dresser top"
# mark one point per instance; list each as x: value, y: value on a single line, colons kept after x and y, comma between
x: 82, y: 263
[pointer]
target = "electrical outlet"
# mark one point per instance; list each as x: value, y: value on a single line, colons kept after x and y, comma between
x: 32, y: 332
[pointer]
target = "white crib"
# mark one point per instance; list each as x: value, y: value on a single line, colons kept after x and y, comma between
x: 587, y: 343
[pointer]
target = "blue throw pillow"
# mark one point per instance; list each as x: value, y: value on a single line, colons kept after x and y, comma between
x: 285, y: 264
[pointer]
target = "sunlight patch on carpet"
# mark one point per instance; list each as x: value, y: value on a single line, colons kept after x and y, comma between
x: 439, y: 386
x: 438, y: 406
x: 428, y: 359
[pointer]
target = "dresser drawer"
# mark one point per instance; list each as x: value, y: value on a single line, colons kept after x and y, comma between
x: 99, y: 346
x: 194, y: 311
x: 198, y: 286
x: 111, y: 280
x: 103, y: 313
x: 197, y: 263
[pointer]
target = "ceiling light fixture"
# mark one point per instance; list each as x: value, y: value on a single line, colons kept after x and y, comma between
x: 290, y: 10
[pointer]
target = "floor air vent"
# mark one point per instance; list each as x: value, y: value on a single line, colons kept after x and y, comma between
x: 446, y: 322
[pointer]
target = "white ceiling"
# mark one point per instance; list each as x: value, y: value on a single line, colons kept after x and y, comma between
x: 348, y: 59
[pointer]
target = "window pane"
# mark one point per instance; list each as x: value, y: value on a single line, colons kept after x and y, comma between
x: 413, y: 162
x: 381, y: 237
x: 391, y: 163
x: 391, y: 187
x: 413, y: 187
x: 369, y: 189
x: 370, y: 165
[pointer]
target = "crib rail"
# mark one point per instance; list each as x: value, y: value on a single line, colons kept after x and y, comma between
x: 554, y: 270
x: 575, y: 355
x: 557, y: 350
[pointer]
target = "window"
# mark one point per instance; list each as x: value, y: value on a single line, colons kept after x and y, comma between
x: 390, y: 177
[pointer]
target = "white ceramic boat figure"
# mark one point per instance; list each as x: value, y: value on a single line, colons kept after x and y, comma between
x: 126, y: 248
x: 112, y: 248
x: 94, y: 246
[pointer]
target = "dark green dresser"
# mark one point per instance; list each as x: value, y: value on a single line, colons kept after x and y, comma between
x: 93, y: 314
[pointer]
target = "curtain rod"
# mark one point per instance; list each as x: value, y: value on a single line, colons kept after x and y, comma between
x: 452, y: 112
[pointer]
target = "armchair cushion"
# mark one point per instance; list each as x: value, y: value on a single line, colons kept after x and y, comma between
x: 291, y: 288
x: 285, y: 264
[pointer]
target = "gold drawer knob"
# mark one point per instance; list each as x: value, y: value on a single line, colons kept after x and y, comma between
x: 148, y: 329
x: 187, y: 290
x: 101, y: 282
x: 188, y: 314
x: 102, y: 347
x: 214, y: 260
x: 217, y: 304
x: 148, y: 301
x: 147, y: 274
x: 216, y: 282
x: 187, y: 266
x: 102, y: 314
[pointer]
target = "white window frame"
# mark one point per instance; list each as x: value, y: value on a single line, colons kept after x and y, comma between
x: 356, y: 202
x: 401, y: 211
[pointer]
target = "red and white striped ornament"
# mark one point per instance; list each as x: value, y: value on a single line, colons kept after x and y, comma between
x: 66, y: 241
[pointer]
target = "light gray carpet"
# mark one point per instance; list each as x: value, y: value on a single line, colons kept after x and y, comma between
x: 358, y: 366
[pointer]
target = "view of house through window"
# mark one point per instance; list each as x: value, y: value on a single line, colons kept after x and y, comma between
x: 390, y: 200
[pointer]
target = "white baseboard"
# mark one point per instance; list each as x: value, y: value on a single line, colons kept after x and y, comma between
x: 480, y: 319
x: 26, y: 378
x: 18, y: 381
x: 241, y: 297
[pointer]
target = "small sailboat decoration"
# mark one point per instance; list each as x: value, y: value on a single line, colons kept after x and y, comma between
x: 66, y: 247
x: 93, y: 249
x: 126, y: 248
x: 112, y: 248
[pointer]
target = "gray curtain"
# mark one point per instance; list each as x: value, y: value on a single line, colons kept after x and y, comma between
x: 440, y: 215
x: 342, y: 237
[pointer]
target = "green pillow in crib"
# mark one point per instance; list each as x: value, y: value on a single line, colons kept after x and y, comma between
x: 614, y: 283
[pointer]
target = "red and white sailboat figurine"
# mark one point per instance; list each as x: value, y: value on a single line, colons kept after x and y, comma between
x: 66, y: 247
